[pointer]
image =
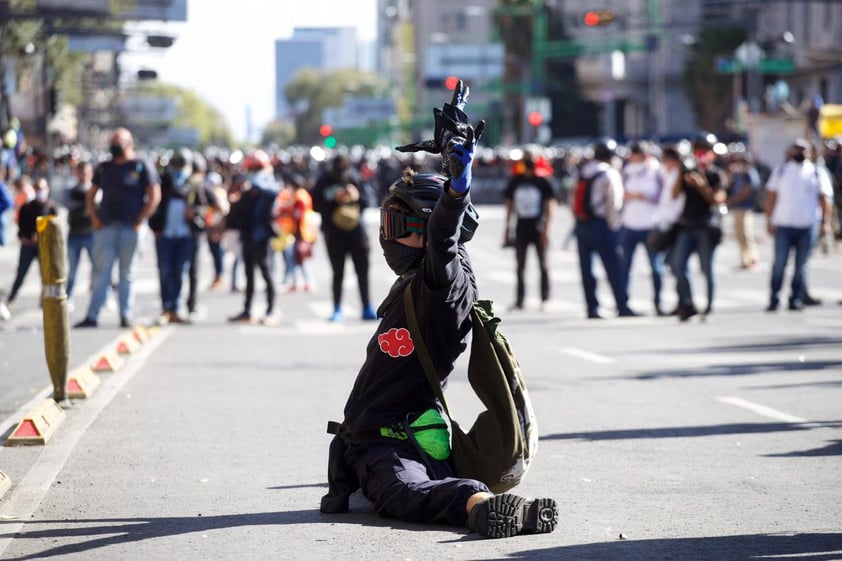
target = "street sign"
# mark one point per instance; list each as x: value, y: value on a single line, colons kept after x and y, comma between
x: 777, y: 65
x: 724, y: 65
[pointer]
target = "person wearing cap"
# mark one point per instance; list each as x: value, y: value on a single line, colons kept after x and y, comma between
x: 796, y: 193
x: 255, y: 214
x: 530, y: 203
x: 130, y: 191
x: 598, y: 230
x: 174, y: 240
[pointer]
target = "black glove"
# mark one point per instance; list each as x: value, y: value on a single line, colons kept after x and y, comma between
x: 451, y: 124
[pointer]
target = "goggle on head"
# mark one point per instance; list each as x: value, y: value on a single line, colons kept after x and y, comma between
x: 395, y: 224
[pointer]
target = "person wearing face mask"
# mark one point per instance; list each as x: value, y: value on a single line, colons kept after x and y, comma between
x: 39, y: 205
x: 131, y: 191
x: 703, y: 189
x: 425, y: 222
x: 174, y: 241
x: 255, y: 213
x: 339, y: 198
x: 643, y: 183
x: 530, y: 204
x: 796, y: 191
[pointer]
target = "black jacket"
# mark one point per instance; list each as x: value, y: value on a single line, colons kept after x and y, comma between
x: 391, y: 382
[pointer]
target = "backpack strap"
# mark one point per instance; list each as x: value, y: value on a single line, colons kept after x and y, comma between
x: 420, y: 346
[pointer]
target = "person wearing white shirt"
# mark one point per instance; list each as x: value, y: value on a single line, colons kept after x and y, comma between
x: 795, y: 194
x: 598, y: 231
x: 642, y: 183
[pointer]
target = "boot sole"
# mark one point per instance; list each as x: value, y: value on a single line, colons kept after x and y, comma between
x: 509, y: 515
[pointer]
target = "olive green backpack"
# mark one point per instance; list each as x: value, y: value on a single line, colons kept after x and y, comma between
x: 502, y: 442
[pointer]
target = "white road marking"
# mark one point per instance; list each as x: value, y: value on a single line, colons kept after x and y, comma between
x: 33, y: 487
x: 761, y: 410
x: 587, y: 355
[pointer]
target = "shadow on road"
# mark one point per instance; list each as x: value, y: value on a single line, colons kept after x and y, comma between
x: 756, y: 347
x: 834, y: 448
x: 688, y: 432
x: 106, y: 532
x: 745, y: 369
x: 781, y: 547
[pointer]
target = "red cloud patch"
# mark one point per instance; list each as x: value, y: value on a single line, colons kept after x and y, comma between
x: 396, y: 342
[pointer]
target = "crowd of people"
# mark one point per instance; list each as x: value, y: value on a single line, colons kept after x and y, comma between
x: 674, y: 201
x: 261, y: 206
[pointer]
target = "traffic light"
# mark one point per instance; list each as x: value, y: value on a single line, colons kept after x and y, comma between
x: 535, y: 118
x: 596, y: 18
x: 327, y: 133
x: 450, y: 82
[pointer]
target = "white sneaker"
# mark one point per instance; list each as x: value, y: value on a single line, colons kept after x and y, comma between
x: 71, y: 306
x: 271, y: 320
x: 5, y: 313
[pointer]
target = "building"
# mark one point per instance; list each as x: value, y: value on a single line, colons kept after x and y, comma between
x: 421, y: 44
x: 629, y: 67
x: 322, y: 48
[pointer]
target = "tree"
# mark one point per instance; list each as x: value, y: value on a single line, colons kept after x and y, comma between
x: 312, y: 91
x: 711, y: 94
x: 278, y: 133
x: 193, y: 112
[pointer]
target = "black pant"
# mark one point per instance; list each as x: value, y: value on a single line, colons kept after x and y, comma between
x: 526, y: 234
x: 257, y: 254
x: 396, y: 480
x: 28, y: 254
x: 193, y: 274
x: 339, y: 245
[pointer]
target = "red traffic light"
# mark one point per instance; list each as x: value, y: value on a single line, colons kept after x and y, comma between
x: 450, y: 82
x: 594, y: 18
x: 325, y: 130
x: 535, y: 118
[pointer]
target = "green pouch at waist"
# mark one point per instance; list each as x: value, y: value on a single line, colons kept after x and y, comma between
x: 429, y: 430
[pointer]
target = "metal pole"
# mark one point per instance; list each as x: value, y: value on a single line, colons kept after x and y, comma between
x: 51, y: 255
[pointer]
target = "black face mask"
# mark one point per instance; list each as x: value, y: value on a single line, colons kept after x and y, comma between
x: 116, y: 150
x: 401, y: 258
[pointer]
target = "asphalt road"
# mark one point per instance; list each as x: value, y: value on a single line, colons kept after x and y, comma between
x: 714, y: 440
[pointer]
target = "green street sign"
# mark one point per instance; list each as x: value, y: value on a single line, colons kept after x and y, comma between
x: 777, y: 65
x: 767, y: 66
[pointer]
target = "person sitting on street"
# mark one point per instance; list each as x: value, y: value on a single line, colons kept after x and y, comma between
x: 425, y: 221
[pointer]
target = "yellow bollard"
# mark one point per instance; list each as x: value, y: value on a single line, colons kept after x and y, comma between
x: 54, y: 298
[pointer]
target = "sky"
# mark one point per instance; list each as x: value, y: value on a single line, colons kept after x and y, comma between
x: 228, y: 56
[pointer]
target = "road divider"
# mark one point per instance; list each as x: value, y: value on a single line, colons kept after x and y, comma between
x: 81, y: 383
x: 128, y: 345
x: 140, y: 334
x: 39, y: 425
x: 108, y: 361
